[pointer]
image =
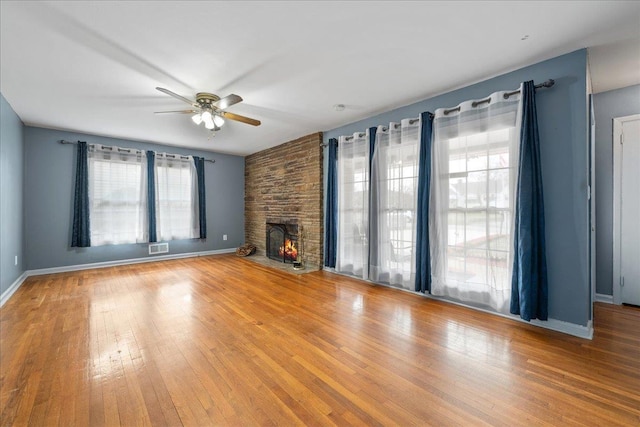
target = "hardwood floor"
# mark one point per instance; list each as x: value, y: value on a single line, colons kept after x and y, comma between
x: 220, y: 340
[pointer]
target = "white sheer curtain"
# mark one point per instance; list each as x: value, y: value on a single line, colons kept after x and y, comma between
x: 117, y: 195
x: 394, y: 194
x: 176, y: 197
x: 352, y: 255
x: 472, y: 200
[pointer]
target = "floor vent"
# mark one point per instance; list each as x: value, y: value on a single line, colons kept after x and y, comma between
x: 158, y: 248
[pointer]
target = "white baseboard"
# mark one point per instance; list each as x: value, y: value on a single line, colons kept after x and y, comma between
x: 604, y: 298
x: 14, y: 287
x: 574, y: 329
x: 105, y: 264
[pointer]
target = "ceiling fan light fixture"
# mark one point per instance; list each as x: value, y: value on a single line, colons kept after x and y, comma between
x: 218, y: 120
x: 209, y: 109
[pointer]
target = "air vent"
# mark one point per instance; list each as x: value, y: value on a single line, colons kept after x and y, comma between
x: 158, y: 248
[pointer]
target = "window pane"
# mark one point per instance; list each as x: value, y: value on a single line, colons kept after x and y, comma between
x: 477, y: 152
x: 476, y: 267
x: 477, y: 189
x: 499, y: 156
x: 498, y: 187
x: 499, y: 224
x: 499, y: 270
x: 458, y: 193
x: 476, y: 229
x: 456, y: 236
x: 456, y: 265
x: 457, y: 155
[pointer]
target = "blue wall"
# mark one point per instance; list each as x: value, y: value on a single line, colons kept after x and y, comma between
x: 48, y: 201
x: 11, y: 205
x: 607, y: 106
x: 562, y: 120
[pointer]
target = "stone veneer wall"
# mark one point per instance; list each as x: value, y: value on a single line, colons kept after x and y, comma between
x: 283, y: 184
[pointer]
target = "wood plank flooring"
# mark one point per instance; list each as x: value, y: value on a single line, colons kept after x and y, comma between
x: 220, y: 340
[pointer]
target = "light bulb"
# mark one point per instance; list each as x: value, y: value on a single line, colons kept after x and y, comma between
x: 219, y: 121
x: 197, y: 119
x: 207, y: 118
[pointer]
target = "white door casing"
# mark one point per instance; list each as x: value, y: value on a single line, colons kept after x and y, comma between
x: 592, y: 200
x: 626, y: 210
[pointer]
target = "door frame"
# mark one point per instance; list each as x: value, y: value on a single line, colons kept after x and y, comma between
x: 617, y: 183
x: 592, y: 203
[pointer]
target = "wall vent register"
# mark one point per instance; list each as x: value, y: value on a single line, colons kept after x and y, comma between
x: 158, y: 248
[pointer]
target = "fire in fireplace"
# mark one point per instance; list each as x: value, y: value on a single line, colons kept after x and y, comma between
x: 288, y: 251
x: 282, y: 242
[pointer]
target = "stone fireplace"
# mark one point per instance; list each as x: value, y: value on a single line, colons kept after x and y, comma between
x: 283, y: 185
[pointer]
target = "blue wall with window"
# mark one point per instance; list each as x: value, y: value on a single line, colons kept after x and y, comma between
x: 48, y: 202
x: 562, y: 120
x: 11, y: 204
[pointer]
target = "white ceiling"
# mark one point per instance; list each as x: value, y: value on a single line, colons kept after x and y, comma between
x: 93, y: 66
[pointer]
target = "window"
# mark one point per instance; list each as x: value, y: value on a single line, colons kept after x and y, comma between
x: 176, y: 197
x: 376, y: 220
x: 479, y: 214
x: 117, y: 195
x: 394, y: 184
x: 475, y: 155
x: 353, y: 205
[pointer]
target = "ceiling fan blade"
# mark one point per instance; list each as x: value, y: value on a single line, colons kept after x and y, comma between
x: 175, y: 95
x: 239, y: 118
x: 176, y: 112
x: 227, y: 101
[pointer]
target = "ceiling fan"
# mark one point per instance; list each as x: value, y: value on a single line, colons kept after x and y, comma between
x: 209, y: 109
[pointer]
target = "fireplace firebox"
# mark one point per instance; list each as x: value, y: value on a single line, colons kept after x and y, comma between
x: 282, y: 242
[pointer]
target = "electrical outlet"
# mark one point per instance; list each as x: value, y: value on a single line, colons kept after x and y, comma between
x: 15, y: 260
x: 224, y: 237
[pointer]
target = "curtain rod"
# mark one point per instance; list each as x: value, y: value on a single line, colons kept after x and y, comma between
x: 361, y: 134
x: 128, y: 150
x: 474, y: 104
x: 348, y: 138
x: 545, y: 84
x: 396, y: 125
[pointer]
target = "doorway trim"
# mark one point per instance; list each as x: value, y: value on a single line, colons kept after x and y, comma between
x: 617, y: 183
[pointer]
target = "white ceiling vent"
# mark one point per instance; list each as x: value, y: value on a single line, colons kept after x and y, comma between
x: 158, y: 248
